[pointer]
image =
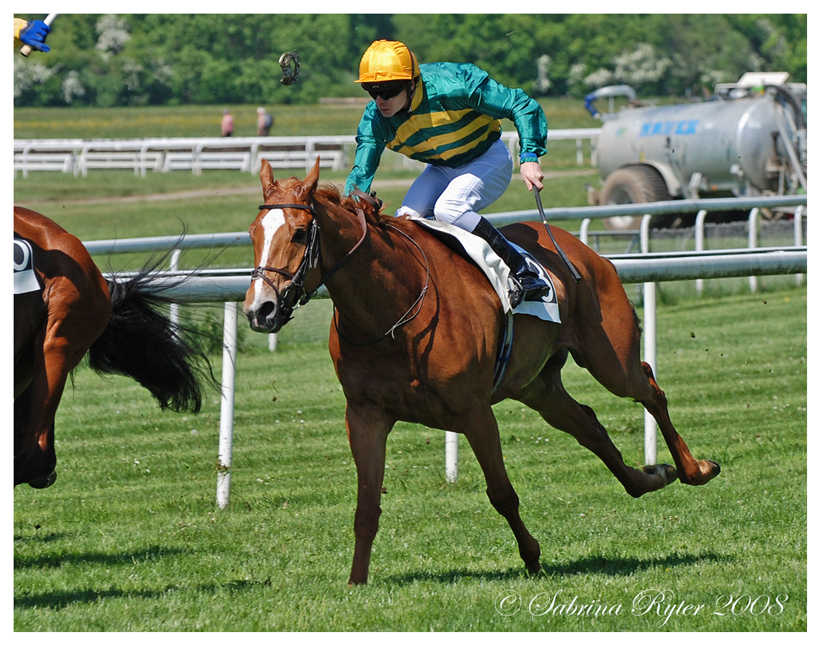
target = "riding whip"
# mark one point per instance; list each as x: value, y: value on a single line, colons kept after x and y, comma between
x: 25, y: 50
x: 563, y: 255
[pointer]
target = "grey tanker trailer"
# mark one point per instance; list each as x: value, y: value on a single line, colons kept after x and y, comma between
x: 749, y: 140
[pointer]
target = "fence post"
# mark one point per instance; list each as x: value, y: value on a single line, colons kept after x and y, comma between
x: 700, y: 239
x: 174, y: 266
x: 753, y: 244
x: 223, y: 477
x: 798, y: 237
x: 650, y: 348
x: 451, y: 456
x: 142, y: 160
x: 583, y: 234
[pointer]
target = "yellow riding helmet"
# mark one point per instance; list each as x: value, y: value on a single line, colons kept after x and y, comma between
x: 387, y: 60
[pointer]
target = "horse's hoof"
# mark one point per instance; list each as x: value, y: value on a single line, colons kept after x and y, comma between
x: 45, y: 481
x: 666, y: 472
x: 707, y: 471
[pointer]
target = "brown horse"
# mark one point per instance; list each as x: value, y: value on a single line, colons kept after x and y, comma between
x: 415, y: 336
x: 76, y: 311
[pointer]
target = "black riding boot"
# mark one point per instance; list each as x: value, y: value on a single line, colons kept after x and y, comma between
x: 523, y: 281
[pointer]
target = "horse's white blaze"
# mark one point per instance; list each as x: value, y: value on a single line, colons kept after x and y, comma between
x: 271, y: 223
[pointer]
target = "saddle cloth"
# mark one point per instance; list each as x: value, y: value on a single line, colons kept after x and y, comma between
x: 498, y: 273
x: 25, y: 279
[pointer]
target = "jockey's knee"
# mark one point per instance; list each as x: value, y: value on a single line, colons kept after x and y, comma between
x: 406, y: 211
x: 456, y: 214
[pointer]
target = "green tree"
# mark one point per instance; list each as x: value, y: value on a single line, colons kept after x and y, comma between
x: 233, y: 58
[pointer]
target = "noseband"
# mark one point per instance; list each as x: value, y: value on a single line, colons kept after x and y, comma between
x: 310, y: 260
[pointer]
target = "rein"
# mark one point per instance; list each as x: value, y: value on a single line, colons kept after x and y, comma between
x: 311, y: 259
x: 408, y: 315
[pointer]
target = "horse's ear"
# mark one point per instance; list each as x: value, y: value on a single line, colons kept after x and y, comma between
x: 309, y: 184
x: 266, y: 175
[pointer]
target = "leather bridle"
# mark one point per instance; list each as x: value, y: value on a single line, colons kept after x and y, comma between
x: 311, y: 259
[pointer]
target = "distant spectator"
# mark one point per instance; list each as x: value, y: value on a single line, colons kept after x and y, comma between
x: 227, y: 123
x: 264, y: 121
x: 31, y: 33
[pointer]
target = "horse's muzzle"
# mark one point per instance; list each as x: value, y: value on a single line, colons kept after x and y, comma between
x: 265, y: 317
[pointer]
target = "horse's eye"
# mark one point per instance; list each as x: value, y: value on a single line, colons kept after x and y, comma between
x: 300, y: 236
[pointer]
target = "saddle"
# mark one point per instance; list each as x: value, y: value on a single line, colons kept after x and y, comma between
x: 25, y: 278
x: 498, y: 274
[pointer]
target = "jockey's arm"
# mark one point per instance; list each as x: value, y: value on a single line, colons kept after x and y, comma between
x: 369, y: 149
x: 491, y: 97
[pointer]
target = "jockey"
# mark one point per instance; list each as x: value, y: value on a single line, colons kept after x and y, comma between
x: 31, y: 33
x: 447, y: 115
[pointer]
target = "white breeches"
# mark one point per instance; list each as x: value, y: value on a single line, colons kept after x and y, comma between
x: 455, y: 195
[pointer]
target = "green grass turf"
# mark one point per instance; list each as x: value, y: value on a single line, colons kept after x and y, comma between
x: 203, y: 120
x: 130, y: 537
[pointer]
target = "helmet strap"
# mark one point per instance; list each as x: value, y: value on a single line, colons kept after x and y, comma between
x: 411, y: 92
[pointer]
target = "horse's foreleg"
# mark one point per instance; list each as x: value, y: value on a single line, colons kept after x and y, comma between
x: 367, y: 430
x: 690, y: 470
x: 481, y: 431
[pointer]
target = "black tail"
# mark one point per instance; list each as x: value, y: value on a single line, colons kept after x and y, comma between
x: 142, y: 343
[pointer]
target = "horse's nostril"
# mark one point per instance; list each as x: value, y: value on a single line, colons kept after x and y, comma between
x: 265, y: 310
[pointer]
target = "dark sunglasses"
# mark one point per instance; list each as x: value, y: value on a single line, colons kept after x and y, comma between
x: 386, y: 93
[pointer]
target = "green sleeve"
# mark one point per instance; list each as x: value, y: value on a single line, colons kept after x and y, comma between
x: 494, y: 99
x: 369, y: 147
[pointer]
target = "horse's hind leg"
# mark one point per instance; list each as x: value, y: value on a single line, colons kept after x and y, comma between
x: 547, y: 396
x: 481, y: 430
x: 58, y: 349
x: 38, y: 470
x: 610, y: 351
x: 34, y: 456
x: 690, y: 470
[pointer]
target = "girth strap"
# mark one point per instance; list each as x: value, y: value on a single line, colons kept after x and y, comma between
x: 504, y: 351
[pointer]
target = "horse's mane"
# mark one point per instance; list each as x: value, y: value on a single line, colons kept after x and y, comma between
x: 332, y: 194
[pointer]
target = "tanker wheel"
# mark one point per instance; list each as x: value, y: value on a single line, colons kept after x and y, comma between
x: 632, y: 185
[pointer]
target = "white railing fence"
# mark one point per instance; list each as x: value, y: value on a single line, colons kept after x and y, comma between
x: 196, y: 154
x: 229, y: 286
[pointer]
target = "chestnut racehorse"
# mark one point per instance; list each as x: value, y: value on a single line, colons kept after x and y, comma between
x: 415, y: 336
x: 77, y: 312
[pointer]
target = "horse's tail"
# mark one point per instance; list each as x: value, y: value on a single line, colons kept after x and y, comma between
x: 144, y: 344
